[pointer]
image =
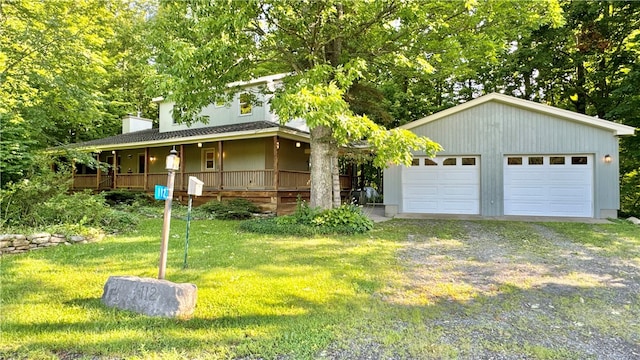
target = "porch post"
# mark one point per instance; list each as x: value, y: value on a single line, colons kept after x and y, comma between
x: 115, y: 169
x: 182, y: 167
x: 98, y: 172
x: 146, y: 169
x: 276, y: 174
x: 73, y: 174
x: 220, y: 157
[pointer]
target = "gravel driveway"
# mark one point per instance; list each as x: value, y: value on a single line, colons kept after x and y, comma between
x: 502, y: 290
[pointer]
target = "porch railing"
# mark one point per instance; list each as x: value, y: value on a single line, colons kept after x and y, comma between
x: 213, y: 180
x: 85, y: 181
x: 294, y: 180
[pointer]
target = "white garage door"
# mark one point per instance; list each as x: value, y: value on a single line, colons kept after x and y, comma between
x: 444, y: 185
x: 552, y: 185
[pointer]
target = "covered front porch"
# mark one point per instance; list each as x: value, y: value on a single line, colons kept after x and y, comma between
x: 271, y: 171
x: 242, y: 180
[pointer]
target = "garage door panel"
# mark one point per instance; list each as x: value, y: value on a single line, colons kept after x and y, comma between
x: 441, y: 189
x: 519, y: 175
x: 419, y: 206
x: 568, y: 192
x: 458, y: 206
x: 526, y: 208
x: 526, y: 192
x: 464, y: 191
x: 419, y: 191
x: 549, y: 190
x: 457, y: 176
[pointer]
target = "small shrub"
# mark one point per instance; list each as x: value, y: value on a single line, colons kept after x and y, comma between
x: 307, y: 221
x: 19, y: 201
x: 84, y: 209
x: 126, y: 197
x: 236, y: 209
x: 346, y: 217
x: 118, y: 221
x: 42, y: 202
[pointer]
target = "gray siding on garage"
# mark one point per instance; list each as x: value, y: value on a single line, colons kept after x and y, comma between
x: 493, y: 130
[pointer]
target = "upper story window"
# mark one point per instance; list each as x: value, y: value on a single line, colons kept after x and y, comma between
x: 245, y: 104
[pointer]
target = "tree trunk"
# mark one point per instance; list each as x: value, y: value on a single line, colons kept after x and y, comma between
x: 335, y: 174
x: 581, y: 103
x: 321, y: 179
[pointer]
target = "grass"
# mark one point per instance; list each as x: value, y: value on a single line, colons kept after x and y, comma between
x: 617, y: 239
x: 263, y: 296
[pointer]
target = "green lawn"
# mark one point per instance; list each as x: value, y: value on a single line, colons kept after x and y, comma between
x: 262, y: 295
x: 258, y: 296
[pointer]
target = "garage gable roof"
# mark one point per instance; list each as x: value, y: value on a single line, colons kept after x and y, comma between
x: 618, y: 129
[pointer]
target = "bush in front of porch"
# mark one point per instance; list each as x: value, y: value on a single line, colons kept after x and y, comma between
x: 43, y: 203
x: 308, y: 221
x: 234, y: 209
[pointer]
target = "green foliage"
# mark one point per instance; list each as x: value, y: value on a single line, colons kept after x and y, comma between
x: 630, y: 194
x: 43, y: 201
x: 346, y: 217
x: 16, y: 156
x: 328, y: 48
x: 126, y: 197
x: 235, y: 209
x: 69, y: 70
x: 308, y: 221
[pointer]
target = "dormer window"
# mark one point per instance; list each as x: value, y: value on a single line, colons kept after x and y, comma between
x: 245, y: 104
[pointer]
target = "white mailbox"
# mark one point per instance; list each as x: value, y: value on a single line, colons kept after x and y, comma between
x: 195, y: 186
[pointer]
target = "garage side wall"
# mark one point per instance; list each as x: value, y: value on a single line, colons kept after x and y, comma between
x: 492, y: 130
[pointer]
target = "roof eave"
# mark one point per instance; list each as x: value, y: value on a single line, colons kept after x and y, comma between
x: 237, y: 135
x: 618, y: 129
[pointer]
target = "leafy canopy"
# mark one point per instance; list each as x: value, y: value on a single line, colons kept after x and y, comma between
x: 329, y: 48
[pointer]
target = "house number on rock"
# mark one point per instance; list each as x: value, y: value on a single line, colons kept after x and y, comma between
x: 146, y: 293
x: 150, y: 296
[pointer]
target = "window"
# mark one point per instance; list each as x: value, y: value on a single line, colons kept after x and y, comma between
x: 468, y: 161
x: 415, y: 162
x: 536, y: 160
x: 429, y: 162
x: 556, y: 160
x: 449, y: 162
x: 209, y: 157
x: 245, y: 104
x: 578, y: 160
x: 514, y: 160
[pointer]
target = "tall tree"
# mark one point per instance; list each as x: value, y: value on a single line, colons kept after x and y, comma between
x: 330, y: 48
x: 59, y: 64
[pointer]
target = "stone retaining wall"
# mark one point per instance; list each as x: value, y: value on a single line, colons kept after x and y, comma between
x: 18, y: 243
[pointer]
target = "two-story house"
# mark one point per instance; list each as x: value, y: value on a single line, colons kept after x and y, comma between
x: 242, y: 152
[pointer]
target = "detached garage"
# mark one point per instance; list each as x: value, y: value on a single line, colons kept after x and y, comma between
x: 508, y: 156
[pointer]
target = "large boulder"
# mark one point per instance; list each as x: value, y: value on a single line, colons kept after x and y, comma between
x: 151, y: 297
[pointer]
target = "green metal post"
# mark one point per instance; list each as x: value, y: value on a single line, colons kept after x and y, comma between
x: 186, y: 243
